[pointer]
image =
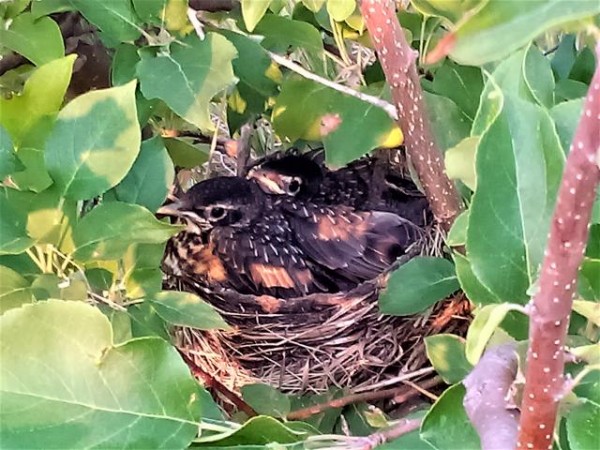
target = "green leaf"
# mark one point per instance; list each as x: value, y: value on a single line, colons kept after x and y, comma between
x: 189, y: 75
x: 34, y: 177
x: 417, y: 285
x: 42, y: 8
x: 146, y: 322
x: 147, y: 183
x: 41, y: 99
x: 138, y: 394
x: 260, y: 430
x: 446, y: 425
x: 461, y: 84
x: 141, y: 265
x: 149, y: 11
x: 94, y: 142
x: 460, y: 161
x: 303, y: 105
x: 109, y: 229
x: 185, y: 154
x: 187, y: 310
x: 472, y: 286
x: 340, y: 10
x: 457, y: 235
x: 116, y: 18
x: 537, y: 73
x: 582, y: 423
x: 569, y: 90
x: 588, y: 309
x: 487, y: 319
x: 589, y: 279
x: 584, y: 66
x: 453, y: 10
x: 40, y: 41
x: 9, y: 163
x: 564, y: 57
x: 281, y: 33
x: 314, y: 5
x: 123, y: 64
x: 447, y: 355
x: 13, y: 8
x: 501, y: 27
x: 566, y: 117
x: 511, y: 209
x: 13, y: 226
x: 72, y: 288
x: 449, y: 124
x: 267, y: 400
x: 15, y: 290
x: 253, y: 11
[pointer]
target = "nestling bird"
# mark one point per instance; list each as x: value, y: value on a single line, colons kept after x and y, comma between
x: 364, y: 184
x: 237, y: 238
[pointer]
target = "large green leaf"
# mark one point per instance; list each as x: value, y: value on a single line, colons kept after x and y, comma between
x: 108, y: 230
x: 188, y: 310
x: 265, y: 399
x: 472, y: 286
x: 461, y: 84
x: 417, y: 285
x: 14, y: 290
x: 449, y: 124
x: 150, y: 177
x: 582, y: 423
x: 9, y: 163
x: 447, y: 355
x: 503, y: 26
x: 93, y: 394
x: 94, y: 142
x: 304, y: 105
x: 116, y: 18
x: 189, y: 75
x: 446, y: 426
x: 519, y: 166
x: 40, y: 41
x: 566, y: 117
x: 41, y: 98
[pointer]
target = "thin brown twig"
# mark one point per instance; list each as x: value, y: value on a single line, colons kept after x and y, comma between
x: 211, y: 382
x: 398, y: 61
x: 403, y: 392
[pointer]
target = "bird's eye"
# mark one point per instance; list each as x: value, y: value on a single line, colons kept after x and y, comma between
x: 217, y: 213
x: 294, y: 186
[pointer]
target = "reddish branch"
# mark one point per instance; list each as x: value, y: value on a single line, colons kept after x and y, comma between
x: 400, y: 394
x: 551, y: 306
x: 487, y: 400
x: 398, y: 61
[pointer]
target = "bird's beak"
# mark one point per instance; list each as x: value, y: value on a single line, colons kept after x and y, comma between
x: 171, y: 209
x: 267, y: 180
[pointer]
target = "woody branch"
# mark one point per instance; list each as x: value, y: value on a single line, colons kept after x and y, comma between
x: 398, y: 61
x: 551, y: 306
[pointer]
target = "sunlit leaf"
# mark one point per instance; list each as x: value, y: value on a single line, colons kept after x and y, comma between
x: 41, y: 98
x: 487, y: 319
x: 253, y: 11
x: 340, y: 10
x: 460, y: 161
x: 447, y: 355
x: 14, y: 290
x: 93, y: 393
x: 94, y: 142
x: 189, y: 75
x: 303, y: 106
x: 141, y: 265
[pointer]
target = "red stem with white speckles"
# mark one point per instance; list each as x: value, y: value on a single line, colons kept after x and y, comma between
x: 551, y: 306
x: 398, y: 61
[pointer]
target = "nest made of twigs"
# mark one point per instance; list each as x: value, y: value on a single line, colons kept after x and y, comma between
x: 314, y: 343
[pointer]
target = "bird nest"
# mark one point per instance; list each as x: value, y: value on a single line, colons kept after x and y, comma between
x: 311, y: 344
